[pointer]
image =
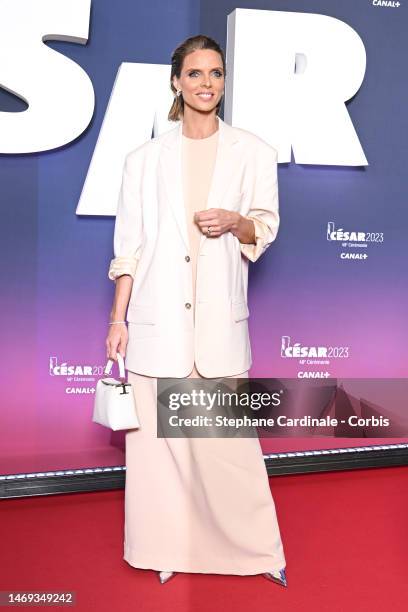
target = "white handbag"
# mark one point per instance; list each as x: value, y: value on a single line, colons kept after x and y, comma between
x: 114, y: 404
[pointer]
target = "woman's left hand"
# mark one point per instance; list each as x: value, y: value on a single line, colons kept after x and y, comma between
x: 219, y: 220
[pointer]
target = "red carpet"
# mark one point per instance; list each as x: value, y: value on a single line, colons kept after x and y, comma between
x: 345, y: 536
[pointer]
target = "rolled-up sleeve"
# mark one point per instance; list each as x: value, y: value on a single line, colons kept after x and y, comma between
x: 122, y: 265
x: 128, y: 232
x: 264, y: 210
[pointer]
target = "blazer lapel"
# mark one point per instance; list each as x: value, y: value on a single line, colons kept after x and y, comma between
x: 226, y: 163
x: 171, y: 168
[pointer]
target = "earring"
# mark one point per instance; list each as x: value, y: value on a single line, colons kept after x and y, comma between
x: 178, y: 93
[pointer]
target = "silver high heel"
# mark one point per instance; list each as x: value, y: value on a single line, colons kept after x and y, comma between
x: 165, y: 576
x: 278, y: 576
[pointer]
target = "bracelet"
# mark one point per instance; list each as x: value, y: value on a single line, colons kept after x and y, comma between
x: 114, y: 322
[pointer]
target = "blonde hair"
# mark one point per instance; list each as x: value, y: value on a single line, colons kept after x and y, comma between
x: 188, y: 46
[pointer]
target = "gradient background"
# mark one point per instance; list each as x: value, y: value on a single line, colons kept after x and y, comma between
x: 56, y: 294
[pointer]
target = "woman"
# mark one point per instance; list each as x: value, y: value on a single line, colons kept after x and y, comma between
x: 180, y: 270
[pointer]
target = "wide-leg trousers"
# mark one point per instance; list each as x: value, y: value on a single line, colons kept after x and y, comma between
x: 196, y: 504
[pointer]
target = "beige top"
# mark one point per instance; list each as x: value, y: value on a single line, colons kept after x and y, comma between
x: 198, y: 159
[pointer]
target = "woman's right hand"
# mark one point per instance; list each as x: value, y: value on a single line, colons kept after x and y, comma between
x: 116, y: 341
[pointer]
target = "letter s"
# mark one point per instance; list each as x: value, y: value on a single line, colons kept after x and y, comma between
x: 58, y: 92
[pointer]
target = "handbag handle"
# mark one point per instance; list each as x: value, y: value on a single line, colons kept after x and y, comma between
x: 121, y: 365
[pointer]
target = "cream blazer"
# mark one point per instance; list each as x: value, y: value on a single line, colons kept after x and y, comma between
x: 151, y: 244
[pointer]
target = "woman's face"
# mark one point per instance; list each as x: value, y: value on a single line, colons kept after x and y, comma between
x: 201, y: 80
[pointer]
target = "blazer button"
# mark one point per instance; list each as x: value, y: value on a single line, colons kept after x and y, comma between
x: 187, y: 305
x: 187, y: 258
